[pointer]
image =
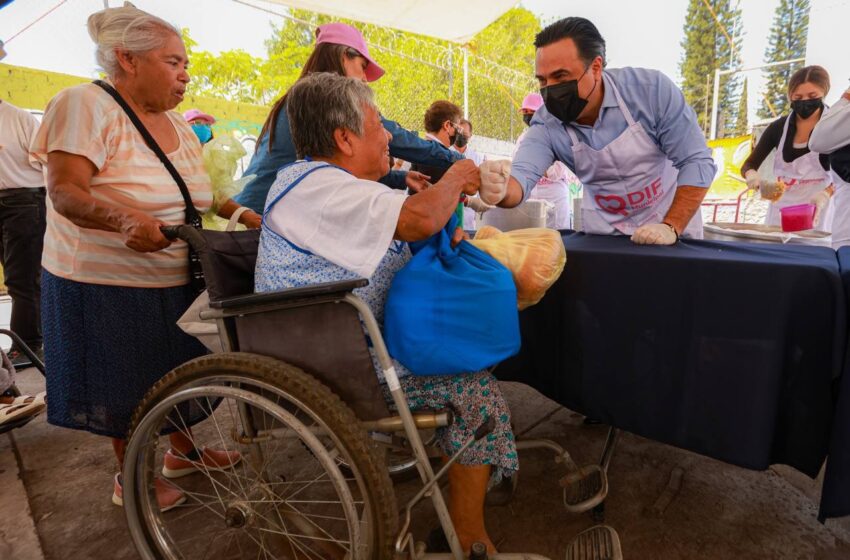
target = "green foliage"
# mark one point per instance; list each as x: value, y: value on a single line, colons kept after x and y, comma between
x: 787, y: 41
x: 741, y: 122
x: 707, y: 48
x: 419, y: 70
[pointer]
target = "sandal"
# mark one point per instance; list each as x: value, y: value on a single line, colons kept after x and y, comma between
x: 20, y: 407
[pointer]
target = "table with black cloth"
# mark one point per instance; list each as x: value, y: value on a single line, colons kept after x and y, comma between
x: 731, y: 350
x: 835, y: 500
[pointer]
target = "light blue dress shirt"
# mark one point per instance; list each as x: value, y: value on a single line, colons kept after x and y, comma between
x: 654, y: 101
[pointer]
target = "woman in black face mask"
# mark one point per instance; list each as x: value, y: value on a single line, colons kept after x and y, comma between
x: 805, y: 174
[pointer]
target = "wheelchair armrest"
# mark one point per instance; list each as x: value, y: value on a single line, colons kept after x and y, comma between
x: 290, y: 294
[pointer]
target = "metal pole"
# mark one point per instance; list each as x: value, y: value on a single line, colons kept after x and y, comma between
x: 714, y: 107
x: 465, y: 83
x: 718, y: 72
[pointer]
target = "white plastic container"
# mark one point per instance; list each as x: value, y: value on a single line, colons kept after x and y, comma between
x: 529, y: 214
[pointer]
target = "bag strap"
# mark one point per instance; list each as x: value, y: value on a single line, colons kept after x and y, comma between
x: 192, y: 216
x: 234, y: 219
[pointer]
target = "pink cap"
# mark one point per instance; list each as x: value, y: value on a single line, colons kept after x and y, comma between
x: 197, y: 114
x: 532, y: 101
x: 343, y: 34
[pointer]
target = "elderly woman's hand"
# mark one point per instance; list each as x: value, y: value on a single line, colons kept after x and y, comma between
x: 467, y: 173
x: 459, y: 236
x: 141, y: 233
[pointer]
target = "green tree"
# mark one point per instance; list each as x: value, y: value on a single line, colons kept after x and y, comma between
x: 712, y: 41
x: 741, y: 120
x: 787, y: 41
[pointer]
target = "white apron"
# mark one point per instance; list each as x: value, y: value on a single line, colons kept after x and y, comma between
x: 628, y: 183
x: 841, y: 210
x: 804, y: 178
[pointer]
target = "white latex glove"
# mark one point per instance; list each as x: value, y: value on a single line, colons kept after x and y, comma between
x: 494, y: 180
x: 655, y: 234
x: 753, y: 179
x: 476, y: 204
x: 821, y: 202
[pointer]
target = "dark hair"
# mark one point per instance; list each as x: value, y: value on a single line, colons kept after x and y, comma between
x: 326, y: 57
x: 584, y: 34
x: 440, y: 112
x: 813, y: 74
x: 467, y: 123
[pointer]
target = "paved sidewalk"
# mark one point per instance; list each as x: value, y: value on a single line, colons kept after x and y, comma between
x: 721, y: 512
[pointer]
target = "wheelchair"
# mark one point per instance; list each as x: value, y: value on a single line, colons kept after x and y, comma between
x: 295, y: 392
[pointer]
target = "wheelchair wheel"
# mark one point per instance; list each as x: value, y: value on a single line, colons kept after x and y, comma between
x: 286, y: 497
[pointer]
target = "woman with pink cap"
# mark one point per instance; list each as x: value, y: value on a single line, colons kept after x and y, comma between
x: 554, y: 186
x: 342, y: 50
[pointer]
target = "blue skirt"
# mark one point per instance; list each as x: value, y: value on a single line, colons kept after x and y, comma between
x: 105, y: 346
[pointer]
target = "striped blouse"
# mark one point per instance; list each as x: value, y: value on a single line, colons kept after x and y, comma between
x: 84, y: 120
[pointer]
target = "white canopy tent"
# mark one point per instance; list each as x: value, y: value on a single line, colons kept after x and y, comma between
x: 450, y: 20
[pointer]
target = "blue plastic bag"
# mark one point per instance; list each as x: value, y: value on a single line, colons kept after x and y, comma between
x: 451, y: 310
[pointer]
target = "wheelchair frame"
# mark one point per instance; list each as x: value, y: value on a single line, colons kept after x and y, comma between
x: 578, y: 495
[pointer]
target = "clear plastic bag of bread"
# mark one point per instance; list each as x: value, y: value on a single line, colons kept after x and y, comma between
x: 535, y: 256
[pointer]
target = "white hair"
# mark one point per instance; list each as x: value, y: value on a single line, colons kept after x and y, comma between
x: 126, y: 28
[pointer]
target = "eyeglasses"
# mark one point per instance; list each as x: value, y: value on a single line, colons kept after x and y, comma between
x: 352, y: 53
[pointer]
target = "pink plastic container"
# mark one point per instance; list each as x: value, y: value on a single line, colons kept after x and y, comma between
x: 798, y: 217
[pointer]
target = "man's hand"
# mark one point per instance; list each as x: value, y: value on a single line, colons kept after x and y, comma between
x: 417, y: 182
x: 475, y: 203
x: 141, y: 233
x: 466, y: 173
x: 655, y: 234
x: 251, y: 219
x: 494, y: 180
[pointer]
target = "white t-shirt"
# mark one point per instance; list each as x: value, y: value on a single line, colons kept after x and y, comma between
x: 17, y: 129
x: 333, y: 214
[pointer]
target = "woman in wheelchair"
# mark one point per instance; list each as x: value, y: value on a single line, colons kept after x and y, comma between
x: 328, y: 219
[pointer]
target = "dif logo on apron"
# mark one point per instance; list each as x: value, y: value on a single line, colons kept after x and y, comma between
x: 633, y: 201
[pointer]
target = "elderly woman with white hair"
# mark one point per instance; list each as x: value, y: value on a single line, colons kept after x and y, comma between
x: 112, y: 286
x: 328, y: 219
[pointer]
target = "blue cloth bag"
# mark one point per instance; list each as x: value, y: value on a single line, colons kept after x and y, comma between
x: 451, y: 310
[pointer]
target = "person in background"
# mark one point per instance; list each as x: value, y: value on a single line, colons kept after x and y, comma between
x: 340, y: 49
x: 831, y: 136
x: 22, y: 225
x: 806, y: 173
x: 472, y: 204
x: 113, y: 286
x: 201, y: 124
x: 327, y: 219
x: 627, y: 133
x: 554, y: 186
x: 462, y: 143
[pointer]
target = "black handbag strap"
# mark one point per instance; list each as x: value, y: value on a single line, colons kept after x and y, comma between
x: 192, y: 216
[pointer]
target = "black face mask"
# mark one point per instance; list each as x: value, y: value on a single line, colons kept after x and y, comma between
x: 562, y: 100
x: 461, y: 140
x: 805, y: 108
x: 526, y: 118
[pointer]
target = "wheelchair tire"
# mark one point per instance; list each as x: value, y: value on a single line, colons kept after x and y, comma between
x: 268, y: 389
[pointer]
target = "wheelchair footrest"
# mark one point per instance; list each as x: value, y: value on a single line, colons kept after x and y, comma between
x: 585, y: 488
x: 600, y: 542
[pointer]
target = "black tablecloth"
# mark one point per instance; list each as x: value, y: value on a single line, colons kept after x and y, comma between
x: 729, y: 350
x: 835, y: 500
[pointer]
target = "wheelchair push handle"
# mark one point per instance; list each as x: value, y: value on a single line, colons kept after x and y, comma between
x: 172, y: 233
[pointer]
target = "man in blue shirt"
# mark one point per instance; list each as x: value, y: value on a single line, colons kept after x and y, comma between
x: 627, y: 133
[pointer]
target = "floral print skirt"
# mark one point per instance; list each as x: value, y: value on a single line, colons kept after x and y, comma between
x: 473, y: 398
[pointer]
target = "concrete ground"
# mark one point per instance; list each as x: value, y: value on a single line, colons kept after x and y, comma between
x: 57, y: 486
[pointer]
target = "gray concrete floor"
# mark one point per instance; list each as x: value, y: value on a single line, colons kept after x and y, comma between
x: 57, y: 486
